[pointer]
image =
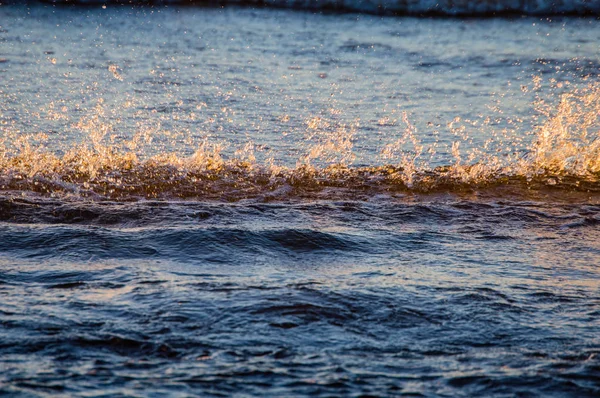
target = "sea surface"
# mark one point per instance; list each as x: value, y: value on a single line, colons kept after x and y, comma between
x: 255, y: 201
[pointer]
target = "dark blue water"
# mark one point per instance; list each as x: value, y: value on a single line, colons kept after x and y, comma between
x: 433, y: 298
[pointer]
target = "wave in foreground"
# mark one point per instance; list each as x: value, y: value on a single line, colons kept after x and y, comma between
x: 564, y: 156
x: 397, y: 7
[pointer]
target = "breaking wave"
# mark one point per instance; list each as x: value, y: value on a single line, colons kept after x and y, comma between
x: 398, y: 7
x: 563, y: 156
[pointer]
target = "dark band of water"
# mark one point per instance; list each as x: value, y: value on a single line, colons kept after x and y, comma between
x: 469, y: 8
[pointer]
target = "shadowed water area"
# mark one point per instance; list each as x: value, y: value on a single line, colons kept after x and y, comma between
x: 261, y: 202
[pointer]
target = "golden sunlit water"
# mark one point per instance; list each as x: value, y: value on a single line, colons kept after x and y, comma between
x: 564, y: 155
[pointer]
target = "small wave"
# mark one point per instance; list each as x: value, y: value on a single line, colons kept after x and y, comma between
x: 563, y: 157
x: 393, y: 7
x: 234, y: 181
x: 212, y: 244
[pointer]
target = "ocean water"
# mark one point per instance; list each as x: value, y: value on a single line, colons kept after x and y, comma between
x: 255, y: 201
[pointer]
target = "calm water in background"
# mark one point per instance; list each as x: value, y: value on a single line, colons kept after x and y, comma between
x: 246, y: 75
x: 458, y: 293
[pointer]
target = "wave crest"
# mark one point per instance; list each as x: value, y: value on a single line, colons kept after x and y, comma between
x: 565, y: 156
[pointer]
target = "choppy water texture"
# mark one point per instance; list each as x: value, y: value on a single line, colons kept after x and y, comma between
x: 254, y: 202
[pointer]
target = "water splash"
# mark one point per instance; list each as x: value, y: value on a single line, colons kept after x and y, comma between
x: 565, y: 156
x: 569, y: 141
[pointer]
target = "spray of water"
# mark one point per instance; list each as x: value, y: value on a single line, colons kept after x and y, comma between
x: 564, y: 155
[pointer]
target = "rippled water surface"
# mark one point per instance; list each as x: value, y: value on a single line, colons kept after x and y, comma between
x: 252, y: 202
